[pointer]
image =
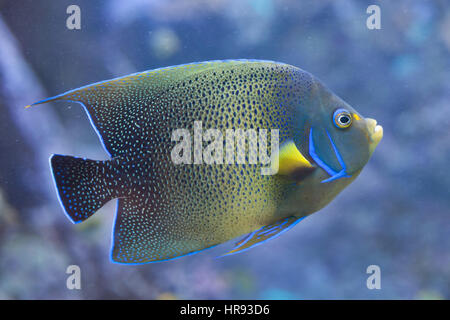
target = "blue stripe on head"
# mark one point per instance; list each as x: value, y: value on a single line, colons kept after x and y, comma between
x: 336, y: 152
x: 313, y: 154
x: 333, y: 174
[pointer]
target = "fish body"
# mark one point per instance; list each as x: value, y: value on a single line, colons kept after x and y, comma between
x: 167, y: 210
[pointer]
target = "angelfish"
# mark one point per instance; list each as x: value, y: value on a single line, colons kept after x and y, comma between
x: 167, y: 210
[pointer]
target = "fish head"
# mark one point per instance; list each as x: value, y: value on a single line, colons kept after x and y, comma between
x: 339, y: 139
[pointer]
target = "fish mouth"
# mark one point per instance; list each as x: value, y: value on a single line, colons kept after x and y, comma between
x: 375, y: 133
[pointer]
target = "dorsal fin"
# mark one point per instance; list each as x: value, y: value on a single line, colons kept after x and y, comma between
x: 123, y: 110
x: 127, y: 109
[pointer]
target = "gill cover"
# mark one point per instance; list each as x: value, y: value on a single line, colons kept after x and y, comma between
x: 333, y: 172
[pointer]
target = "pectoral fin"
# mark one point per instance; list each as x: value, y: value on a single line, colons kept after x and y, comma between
x: 292, y: 163
x: 264, y: 234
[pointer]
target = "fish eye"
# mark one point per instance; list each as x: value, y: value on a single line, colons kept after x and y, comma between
x: 342, y: 118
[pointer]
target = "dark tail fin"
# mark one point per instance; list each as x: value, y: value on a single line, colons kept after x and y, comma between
x: 83, y: 186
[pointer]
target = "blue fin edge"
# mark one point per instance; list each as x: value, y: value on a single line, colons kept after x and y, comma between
x: 57, y: 190
x: 259, y: 243
x: 146, y: 262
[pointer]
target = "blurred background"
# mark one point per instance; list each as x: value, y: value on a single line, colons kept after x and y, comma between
x: 395, y: 215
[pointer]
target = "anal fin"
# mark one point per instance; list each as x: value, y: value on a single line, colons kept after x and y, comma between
x: 264, y: 234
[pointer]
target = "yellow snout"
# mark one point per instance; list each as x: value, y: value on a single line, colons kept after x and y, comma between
x: 375, y: 133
